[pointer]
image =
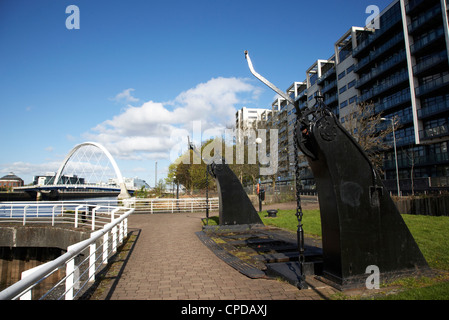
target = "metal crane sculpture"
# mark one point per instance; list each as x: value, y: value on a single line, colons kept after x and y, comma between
x: 360, y: 223
x: 235, y: 208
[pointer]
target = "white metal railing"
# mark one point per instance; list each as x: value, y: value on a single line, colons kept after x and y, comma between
x: 82, y: 260
x: 170, y: 205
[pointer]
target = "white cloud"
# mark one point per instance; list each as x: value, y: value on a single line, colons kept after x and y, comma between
x: 146, y: 131
x: 125, y: 96
x: 27, y: 170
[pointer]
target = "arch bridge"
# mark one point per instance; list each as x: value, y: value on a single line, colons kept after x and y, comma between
x: 60, y: 182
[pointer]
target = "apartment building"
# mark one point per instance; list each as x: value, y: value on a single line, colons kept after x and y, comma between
x: 399, y: 63
x: 250, y: 118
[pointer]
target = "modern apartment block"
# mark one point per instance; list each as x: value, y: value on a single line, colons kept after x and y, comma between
x: 399, y: 63
x: 251, y: 118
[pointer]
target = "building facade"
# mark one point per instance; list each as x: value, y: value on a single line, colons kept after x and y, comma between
x: 251, y: 118
x: 10, y: 181
x: 399, y: 63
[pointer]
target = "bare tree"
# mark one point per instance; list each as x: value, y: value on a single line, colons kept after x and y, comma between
x: 370, y: 130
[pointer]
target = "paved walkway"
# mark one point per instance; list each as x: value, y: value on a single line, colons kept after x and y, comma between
x: 168, y: 261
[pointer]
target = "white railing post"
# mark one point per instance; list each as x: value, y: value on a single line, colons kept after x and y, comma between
x: 114, y: 239
x: 113, y: 214
x: 25, y: 214
x: 93, y: 217
x: 151, y: 206
x: 105, y: 247
x: 69, y: 271
x: 120, y: 232
x: 92, y: 258
x: 53, y: 216
x: 76, y: 215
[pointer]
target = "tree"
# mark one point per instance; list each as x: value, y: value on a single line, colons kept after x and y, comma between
x: 193, y: 175
x: 370, y: 131
x: 160, y: 187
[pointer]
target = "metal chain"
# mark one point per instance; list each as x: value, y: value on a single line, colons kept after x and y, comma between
x: 299, y: 214
x: 207, y: 194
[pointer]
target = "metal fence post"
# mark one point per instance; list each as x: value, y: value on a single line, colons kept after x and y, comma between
x: 92, y: 258
x: 114, y: 239
x: 105, y: 248
x: 120, y: 234
x: 76, y: 215
x: 69, y: 271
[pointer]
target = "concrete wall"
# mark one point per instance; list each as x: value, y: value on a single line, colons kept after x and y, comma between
x: 40, y: 236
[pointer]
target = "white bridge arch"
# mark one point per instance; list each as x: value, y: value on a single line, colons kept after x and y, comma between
x: 123, y: 191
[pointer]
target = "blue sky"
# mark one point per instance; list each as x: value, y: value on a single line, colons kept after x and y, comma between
x: 137, y: 73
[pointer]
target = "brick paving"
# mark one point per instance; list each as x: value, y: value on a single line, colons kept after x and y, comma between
x: 169, y: 262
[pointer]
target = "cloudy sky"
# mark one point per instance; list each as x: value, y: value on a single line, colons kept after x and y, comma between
x: 137, y: 73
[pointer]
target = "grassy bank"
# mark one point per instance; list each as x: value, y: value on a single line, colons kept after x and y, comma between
x: 429, y: 232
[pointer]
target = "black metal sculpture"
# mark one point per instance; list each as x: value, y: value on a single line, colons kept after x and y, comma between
x: 235, y: 208
x: 360, y: 223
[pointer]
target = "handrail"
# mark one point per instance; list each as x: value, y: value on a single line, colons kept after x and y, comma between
x: 22, y: 288
x: 173, y: 205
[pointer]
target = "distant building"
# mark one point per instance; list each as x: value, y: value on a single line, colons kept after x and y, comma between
x: 49, y: 178
x: 131, y: 183
x: 250, y: 118
x: 11, y: 181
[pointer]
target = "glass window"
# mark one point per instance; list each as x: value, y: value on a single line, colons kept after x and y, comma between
x: 351, y: 84
x: 350, y: 69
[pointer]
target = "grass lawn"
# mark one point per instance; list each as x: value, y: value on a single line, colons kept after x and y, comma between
x: 430, y: 233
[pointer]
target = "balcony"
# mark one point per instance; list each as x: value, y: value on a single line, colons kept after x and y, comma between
x: 330, y: 99
x: 328, y: 74
x: 387, y: 46
x: 329, y: 86
x: 426, y: 41
x: 433, y: 109
x: 432, y: 86
x: 425, y: 19
x: 414, y: 5
x: 387, y: 66
x: 429, y: 64
x: 425, y: 160
x: 435, y: 132
x: 385, y: 27
x: 385, y: 86
x: 361, y: 64
x: 302, y: 95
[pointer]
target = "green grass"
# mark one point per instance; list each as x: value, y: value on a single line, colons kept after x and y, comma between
x: 430, y: 233
x: 439, y: 291
x: 286, y: 219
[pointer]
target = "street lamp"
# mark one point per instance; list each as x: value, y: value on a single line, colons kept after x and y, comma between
x: 260, y: 191
x: 395, y: 153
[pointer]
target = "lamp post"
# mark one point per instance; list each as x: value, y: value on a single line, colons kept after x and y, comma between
x: 395, y: 153
x: 260, y: 191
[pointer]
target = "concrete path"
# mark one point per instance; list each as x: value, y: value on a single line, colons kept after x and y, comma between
x: 168, y: 261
